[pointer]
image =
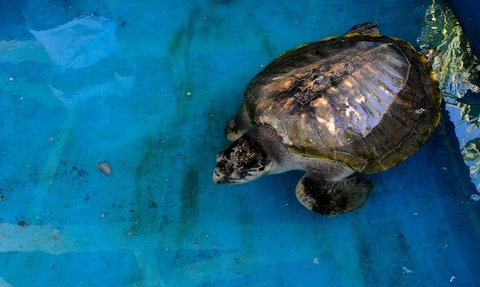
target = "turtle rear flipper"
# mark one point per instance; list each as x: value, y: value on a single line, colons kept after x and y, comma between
x: 365, y: 29
x: 332, y: 197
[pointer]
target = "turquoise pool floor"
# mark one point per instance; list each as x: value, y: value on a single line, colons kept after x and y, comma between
x: 148, y: 86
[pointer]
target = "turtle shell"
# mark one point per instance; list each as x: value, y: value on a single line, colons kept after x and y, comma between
x: 368, y: 101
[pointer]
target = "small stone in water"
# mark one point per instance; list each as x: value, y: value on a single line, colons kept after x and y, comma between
x: 104, y: 167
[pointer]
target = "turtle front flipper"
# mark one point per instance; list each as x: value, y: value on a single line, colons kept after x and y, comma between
x: 237, y: 125
x: 330, y: 197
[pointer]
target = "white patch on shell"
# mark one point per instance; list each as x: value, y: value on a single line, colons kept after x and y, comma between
x: 349, y: 111
x: 329, y: 124
x: 348, y: 83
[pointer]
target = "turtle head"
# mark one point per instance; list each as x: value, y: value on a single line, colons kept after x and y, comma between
x: 243, y: 161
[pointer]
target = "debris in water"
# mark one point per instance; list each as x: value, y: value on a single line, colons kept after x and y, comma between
x: 406, y: 270
x: 23, y: 223
x: 452, y: 278
x: 104, y: 167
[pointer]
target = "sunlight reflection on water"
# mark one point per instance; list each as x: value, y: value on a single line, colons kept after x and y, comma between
x: 456, y: 69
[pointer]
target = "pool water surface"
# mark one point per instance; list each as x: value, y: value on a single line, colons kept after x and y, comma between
x: 148, y: 86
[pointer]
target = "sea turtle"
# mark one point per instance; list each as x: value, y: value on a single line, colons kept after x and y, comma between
x: 362, y: 102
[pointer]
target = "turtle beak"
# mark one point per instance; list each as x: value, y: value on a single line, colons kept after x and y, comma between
x: 216, y: 176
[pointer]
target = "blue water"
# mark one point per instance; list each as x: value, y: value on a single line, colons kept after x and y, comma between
x: 148, y: 86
